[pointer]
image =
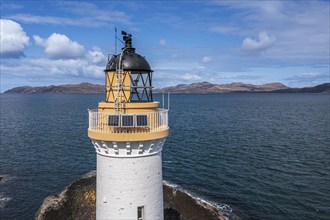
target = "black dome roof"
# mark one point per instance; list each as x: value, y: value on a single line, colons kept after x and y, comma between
x: 130, y: 61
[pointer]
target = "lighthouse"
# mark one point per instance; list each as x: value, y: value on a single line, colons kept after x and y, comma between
x: 128, y: 131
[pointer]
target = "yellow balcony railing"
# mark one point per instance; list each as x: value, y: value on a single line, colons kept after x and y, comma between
x: 128, y: 123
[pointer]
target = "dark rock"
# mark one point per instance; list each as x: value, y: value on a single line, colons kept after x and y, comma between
x: 171, y: 214
x: 188, y: 207
x: 77, y: 201
x: 2, y: 178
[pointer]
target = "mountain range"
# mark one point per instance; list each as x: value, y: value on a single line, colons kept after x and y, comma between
x: 201, y: 87
x: 70, y: 88
x: 206, y: 87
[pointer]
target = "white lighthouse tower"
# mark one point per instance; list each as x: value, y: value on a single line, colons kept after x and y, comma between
x: 128, y: 131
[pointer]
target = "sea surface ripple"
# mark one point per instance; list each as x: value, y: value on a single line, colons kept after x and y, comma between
x: 259, y: 156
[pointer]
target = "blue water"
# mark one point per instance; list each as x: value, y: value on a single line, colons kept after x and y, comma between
x: 266, y: 156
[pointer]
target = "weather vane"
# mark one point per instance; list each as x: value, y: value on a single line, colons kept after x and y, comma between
x: 127, y: 38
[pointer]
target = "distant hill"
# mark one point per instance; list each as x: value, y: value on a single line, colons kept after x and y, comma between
x: 201, y: 87
x: 70, y: 88
x: 323, y: 88
x: 206, y: 87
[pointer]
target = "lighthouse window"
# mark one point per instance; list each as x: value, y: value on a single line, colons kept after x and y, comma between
x: 140, y: 212
x: 127, y: 120
x: 141, y: 120
x: 141, y: 87
x: 113, y: 120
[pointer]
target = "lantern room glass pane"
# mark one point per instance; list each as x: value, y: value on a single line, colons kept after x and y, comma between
x: 141, y: 87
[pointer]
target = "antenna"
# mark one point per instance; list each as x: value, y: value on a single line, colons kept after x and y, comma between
x: 115, y: 40
x: 168, y: 101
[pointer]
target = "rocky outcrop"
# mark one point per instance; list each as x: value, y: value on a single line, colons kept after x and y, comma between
x: 77, y: 201
x: 178, y: 205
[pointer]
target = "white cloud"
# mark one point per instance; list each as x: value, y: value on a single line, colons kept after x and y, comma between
x: 263, y: 42
x: 58, y: 46
x: 308, y: 78
x: 10, y: 6
x: 162, y: 42
x: 207, y: 59
x: 189, y: 76
x: 44, y: 68
x: 310, y: 75
x: 84, y: 15
x: 96, y: 56
x: 13, y: 39
x: 223, y: 29
x: 258, y: 8
x: 36, y: 19
x: 301, y: 28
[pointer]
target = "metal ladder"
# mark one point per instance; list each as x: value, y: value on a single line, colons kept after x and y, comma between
x: 118, y: 88
x: 119, y: 73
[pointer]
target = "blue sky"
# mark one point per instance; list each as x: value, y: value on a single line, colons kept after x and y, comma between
x: 64, y: 42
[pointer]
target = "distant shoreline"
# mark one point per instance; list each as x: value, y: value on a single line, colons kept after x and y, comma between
x: 194, y: 88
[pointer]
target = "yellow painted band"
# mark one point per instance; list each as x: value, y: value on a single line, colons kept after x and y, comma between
x: 139, y: 105
x: 123, y: 137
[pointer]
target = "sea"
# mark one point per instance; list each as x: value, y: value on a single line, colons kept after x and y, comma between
x: 256, y: 156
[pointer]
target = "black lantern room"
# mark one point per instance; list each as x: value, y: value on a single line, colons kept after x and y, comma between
x: 128, y: 75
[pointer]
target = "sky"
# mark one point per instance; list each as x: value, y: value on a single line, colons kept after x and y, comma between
x: 218, y: 41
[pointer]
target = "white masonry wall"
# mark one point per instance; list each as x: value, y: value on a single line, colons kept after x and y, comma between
x: 128, y: 182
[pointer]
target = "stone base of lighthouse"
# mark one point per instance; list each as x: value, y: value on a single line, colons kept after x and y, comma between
x: 129, y: 180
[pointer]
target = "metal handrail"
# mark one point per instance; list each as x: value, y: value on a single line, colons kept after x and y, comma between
x: 156, y: 121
